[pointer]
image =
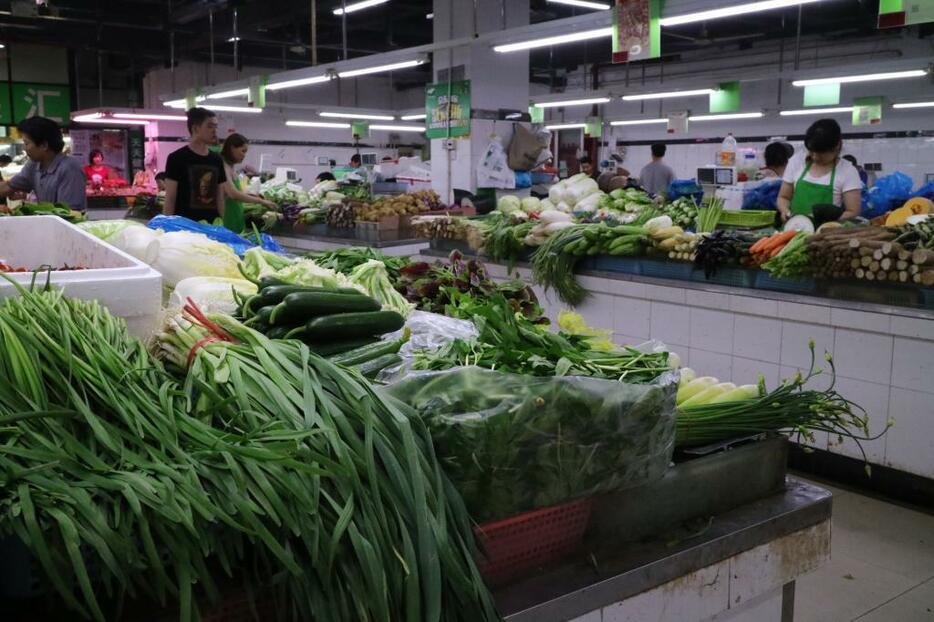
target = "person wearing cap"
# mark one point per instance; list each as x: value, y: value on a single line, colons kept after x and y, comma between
x: 50, y: 174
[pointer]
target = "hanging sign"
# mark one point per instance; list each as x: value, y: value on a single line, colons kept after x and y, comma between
x: 867, y: 110
x: 678, y: 122
x: 897, y: 13
x: 594, y: 127
x: 444, y: 101
x: 257, y: 95
x: 537, y: 114
x: 360, y: 129
x: 822, y: 94
x: 52, y: 101
x: 725, y: 98
x: 637, y: 33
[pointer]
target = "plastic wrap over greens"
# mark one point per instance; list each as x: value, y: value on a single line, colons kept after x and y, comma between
x: 514, y: 443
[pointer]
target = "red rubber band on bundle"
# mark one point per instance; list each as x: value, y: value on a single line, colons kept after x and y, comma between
x: 196, y: 316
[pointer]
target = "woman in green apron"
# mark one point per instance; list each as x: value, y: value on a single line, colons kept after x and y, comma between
x: 233, y: 153
x: 820, y: 176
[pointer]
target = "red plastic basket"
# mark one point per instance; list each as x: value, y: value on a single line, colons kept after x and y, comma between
x: 516, y: 545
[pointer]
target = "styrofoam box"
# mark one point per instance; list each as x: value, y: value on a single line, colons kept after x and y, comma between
x: 127, y: 287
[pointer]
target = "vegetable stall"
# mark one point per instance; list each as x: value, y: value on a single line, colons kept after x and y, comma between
x: 349, y: 435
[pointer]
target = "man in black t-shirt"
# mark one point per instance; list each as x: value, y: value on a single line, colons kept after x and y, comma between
x: 194, y: 176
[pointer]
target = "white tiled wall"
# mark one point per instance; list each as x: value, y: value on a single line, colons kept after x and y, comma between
x: 884, y: 363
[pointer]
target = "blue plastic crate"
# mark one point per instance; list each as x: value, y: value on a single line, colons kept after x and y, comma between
x: 803, y: 286
x: 734, y: 277
x: 612, y: 263
x: 927, y: 297
x: 678, y: 270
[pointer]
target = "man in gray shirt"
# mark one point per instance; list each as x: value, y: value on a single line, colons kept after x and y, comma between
x: 656, y: 176
x: 50, y: 174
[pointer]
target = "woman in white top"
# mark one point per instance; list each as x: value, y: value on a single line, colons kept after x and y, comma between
x: 819, y: 175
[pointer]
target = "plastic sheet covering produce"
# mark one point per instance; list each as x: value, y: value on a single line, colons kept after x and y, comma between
x: 514, y: 443
x: 215, y: 232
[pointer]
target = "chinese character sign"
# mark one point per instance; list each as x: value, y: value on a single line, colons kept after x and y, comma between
x: 444, y: 102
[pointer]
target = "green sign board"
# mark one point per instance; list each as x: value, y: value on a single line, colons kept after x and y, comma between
x: 537, y: 114
x: 360, y: 129
x: 725, y: 98
x: 35, y: 100
x: 822, y: 94
x: 447, y: 103
x: 867, y: 110
x: 594, y: 127
x: 897, y: 13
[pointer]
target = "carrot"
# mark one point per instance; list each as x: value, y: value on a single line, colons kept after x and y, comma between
x: 755, y: 248
x: 777, y: 250
x: 779, y: 239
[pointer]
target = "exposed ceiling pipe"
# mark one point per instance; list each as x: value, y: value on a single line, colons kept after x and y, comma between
x: 314, y: 33
x: 211, y: 43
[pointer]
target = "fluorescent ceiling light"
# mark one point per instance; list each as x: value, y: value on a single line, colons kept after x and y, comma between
x: 380, y: 68
x: 727, y: 117
x: 566, y: 126
x: 182, y: 103
x: 584, y: 4
x: 639, y: 122
x: 430, y: 16
x: 358, y: 6
x: 235, y: 109
x: 233, y: 93
x: 150, y: 117
x: 98, y: 117
x: 2, y: 46
x: 287, y: 84
x: 572, y: 102
x: 868, y: 77
x: 670, y: 94
x: 354, y: 115
x: 806, y: 111
x: 730, y: 11
x: 910, y: 105
x: 413, y: 117
x: 324, y: 124
x: 570, y: 38
x: 398, y: 128
x: 233, y: 39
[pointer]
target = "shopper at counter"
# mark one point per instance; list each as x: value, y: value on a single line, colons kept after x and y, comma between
x: 233, y: 153
x: 325, y: 176
x: 656, y: 176
x: 819, y: 175
x: 160, y: 181
x: 587, y: 168
x: 50, y: 174
x: 776, y: 156
x: 863, y: 175
x: 194, y: 175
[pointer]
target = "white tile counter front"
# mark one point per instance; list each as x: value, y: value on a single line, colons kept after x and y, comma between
x: 884, y: 356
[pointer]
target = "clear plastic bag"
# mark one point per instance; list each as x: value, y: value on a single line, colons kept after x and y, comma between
x: 427, y: 331
x: 514, y: 443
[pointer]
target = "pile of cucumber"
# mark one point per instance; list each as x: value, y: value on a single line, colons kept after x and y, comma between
x: 341, y: 324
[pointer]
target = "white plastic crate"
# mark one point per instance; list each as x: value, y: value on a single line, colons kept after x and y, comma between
x: 127, y: 287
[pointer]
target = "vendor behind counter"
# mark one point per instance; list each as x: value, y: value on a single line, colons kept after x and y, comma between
x: 818, y: 175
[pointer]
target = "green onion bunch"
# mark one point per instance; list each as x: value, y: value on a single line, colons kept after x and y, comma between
x: 790, y: 408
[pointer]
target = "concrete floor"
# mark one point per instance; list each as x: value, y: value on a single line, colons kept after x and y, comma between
x: 881, y: 567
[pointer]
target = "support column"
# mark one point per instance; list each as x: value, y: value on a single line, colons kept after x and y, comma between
x: 496, y: 81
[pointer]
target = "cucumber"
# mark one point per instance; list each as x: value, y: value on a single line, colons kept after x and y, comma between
x: 371, y: 368
x: 331, y: 350
x: 346, y: 326
x: 275, y: 294
x: 368, y: 353
x: 280, y: 332
x: 261, y: 317
x: 302, y: 306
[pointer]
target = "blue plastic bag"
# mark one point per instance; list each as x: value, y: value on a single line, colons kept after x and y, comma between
x: 764, y: 196
x: 214, y: 232
x: 523, y: 179
x: 926, y: 191
x: 685, y: 188
x: 890, y: 192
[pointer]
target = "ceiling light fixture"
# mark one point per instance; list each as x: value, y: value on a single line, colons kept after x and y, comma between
x: 380, y: 68
x: 914, y: 105
x: 99, y: 117
x: 730, y: 11
x: 413, y: 117
x: 398, y: 128
x: 150, y: 117
x: 235, y: 109
x: 358, y: 6
x: 727, y: 117
x: 572, y: 102
x: 288, y: 84
x: 566, y: 126
x: 638, y: 122
x: 322, y: 124
x: 356, y: 115
x: 584, y: 4
x: 233, y: 39
x: 868, y: 77
x: 585, y: 35
x: 225, y: 94
x: 182, y: 103
x: 670, y: 94
x: 807, y: 111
